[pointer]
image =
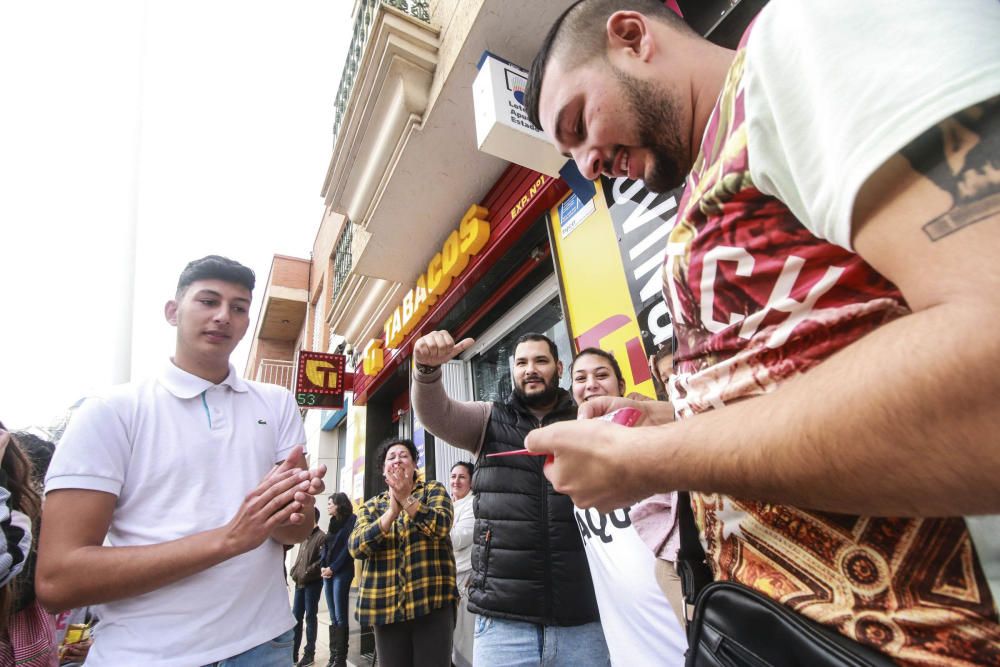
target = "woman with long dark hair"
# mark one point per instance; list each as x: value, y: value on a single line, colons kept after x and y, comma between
x: 338, y: 573
x: 407, y: 589
x: 20, y: 507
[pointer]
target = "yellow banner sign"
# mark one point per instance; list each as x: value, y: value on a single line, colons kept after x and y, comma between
x: 595, y: 287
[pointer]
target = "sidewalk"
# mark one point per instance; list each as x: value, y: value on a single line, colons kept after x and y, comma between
x: 354, y: 657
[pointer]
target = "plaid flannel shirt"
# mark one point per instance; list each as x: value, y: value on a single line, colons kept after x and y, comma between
x: 409, y: 571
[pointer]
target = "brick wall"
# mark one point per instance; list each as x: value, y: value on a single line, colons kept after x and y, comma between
x: 290, y: 272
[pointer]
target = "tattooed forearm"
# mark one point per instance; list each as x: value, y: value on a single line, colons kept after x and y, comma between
x: 961, y: 156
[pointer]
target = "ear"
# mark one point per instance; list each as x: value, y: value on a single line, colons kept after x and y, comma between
x: 559, y: 370
x: 621, y: 387
x: 628, y: 32
x: 170, y: 312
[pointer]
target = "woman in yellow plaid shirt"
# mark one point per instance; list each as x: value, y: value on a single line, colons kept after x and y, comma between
x: 407, y: 590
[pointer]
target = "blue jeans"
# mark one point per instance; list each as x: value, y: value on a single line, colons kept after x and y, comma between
x: 338, y: 594
x: 274, y: 653
x: 306, y: 603
x: 502, y: 642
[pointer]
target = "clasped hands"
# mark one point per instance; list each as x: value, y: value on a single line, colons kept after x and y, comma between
x: 401, y: 485
x: 284, y: 498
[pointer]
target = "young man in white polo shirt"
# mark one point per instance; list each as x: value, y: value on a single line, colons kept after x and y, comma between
x: 179, y: 473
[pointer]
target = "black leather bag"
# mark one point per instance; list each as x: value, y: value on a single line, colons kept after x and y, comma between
x: 735, y: 626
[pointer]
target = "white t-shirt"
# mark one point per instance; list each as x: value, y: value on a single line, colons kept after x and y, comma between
x: 823, y: 115
x: 640, y: 628
x: 181, y: 454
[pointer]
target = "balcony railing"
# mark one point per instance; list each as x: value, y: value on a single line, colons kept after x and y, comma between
x: 343, y: 261
x: 274, y: 371
x: 362, y: 28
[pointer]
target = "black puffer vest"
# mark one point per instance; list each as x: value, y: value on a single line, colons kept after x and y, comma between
x: 528, y: 559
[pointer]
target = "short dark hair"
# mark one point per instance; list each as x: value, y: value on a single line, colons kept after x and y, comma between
x: 466, y: 465
x: 667, y: 349
x: 598, y: 352
x: 383, y: 451
x: 582, y: 26
x: 538, y: 338
x: 316, y: 513
x: 215, y: 267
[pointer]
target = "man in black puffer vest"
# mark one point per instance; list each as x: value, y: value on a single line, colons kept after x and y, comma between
x: 531, y: 585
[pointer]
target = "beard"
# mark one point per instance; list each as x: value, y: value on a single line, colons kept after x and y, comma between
x: 542, y: 398
x: 658, y: 121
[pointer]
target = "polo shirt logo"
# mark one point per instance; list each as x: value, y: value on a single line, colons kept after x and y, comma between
x: 262, y: 421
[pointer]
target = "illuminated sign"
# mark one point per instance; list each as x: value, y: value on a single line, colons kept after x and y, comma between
x: 320, y: 380
x: 503, y: 128
x: 466, y: 241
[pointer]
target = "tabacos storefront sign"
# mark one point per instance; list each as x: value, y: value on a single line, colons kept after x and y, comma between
x: 463, y: 243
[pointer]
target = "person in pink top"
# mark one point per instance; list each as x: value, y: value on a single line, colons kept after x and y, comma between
x: 655, y: 518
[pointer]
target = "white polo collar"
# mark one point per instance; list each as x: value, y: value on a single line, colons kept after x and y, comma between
x: 182, y: 384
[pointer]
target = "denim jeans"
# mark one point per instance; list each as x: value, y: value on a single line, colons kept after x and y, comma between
x: 274, y: 653
x: 306, y: 603
x: 338, y: 594
x: 502, y: 642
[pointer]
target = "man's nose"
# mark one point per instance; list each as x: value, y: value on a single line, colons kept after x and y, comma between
x: 588, y: 161
x: 221, y: 314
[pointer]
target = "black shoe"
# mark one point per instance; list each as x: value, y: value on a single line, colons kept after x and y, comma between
x: 339, y: 645
x: 306, y: 660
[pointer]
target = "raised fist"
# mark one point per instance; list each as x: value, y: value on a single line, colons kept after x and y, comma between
x: 438, y: 347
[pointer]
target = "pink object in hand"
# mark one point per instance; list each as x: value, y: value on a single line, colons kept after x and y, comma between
x: 522, y: 452
x: 621, y: 416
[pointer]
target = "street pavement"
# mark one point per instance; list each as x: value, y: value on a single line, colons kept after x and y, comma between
x: 354, y: 657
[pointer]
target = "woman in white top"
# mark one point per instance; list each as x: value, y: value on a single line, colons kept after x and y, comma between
x: 639, y: 625
x: 461, y: 540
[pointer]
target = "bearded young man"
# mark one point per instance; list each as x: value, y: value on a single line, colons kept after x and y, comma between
x: 531, y: 585
x: 829, y: 275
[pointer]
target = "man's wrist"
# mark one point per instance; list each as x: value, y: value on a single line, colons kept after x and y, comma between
x: 222, y: 548
x: 425, y: 369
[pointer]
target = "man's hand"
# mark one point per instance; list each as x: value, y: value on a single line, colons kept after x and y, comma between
x: 296, y: 460
x: 593, y: 462
x: 326, y: 572
x: 653, y: 412
x: 438, y: 347
x: 299, y: 523
x: 271, y: 504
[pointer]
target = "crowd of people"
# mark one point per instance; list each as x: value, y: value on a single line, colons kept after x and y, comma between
x: 826, y: 449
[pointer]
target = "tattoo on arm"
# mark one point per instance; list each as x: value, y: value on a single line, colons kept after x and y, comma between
x: 961, y: 156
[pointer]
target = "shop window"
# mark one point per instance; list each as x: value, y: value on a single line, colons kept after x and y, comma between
x: 492, y: 368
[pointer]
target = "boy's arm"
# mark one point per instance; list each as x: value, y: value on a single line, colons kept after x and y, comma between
x: 76, y: 522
